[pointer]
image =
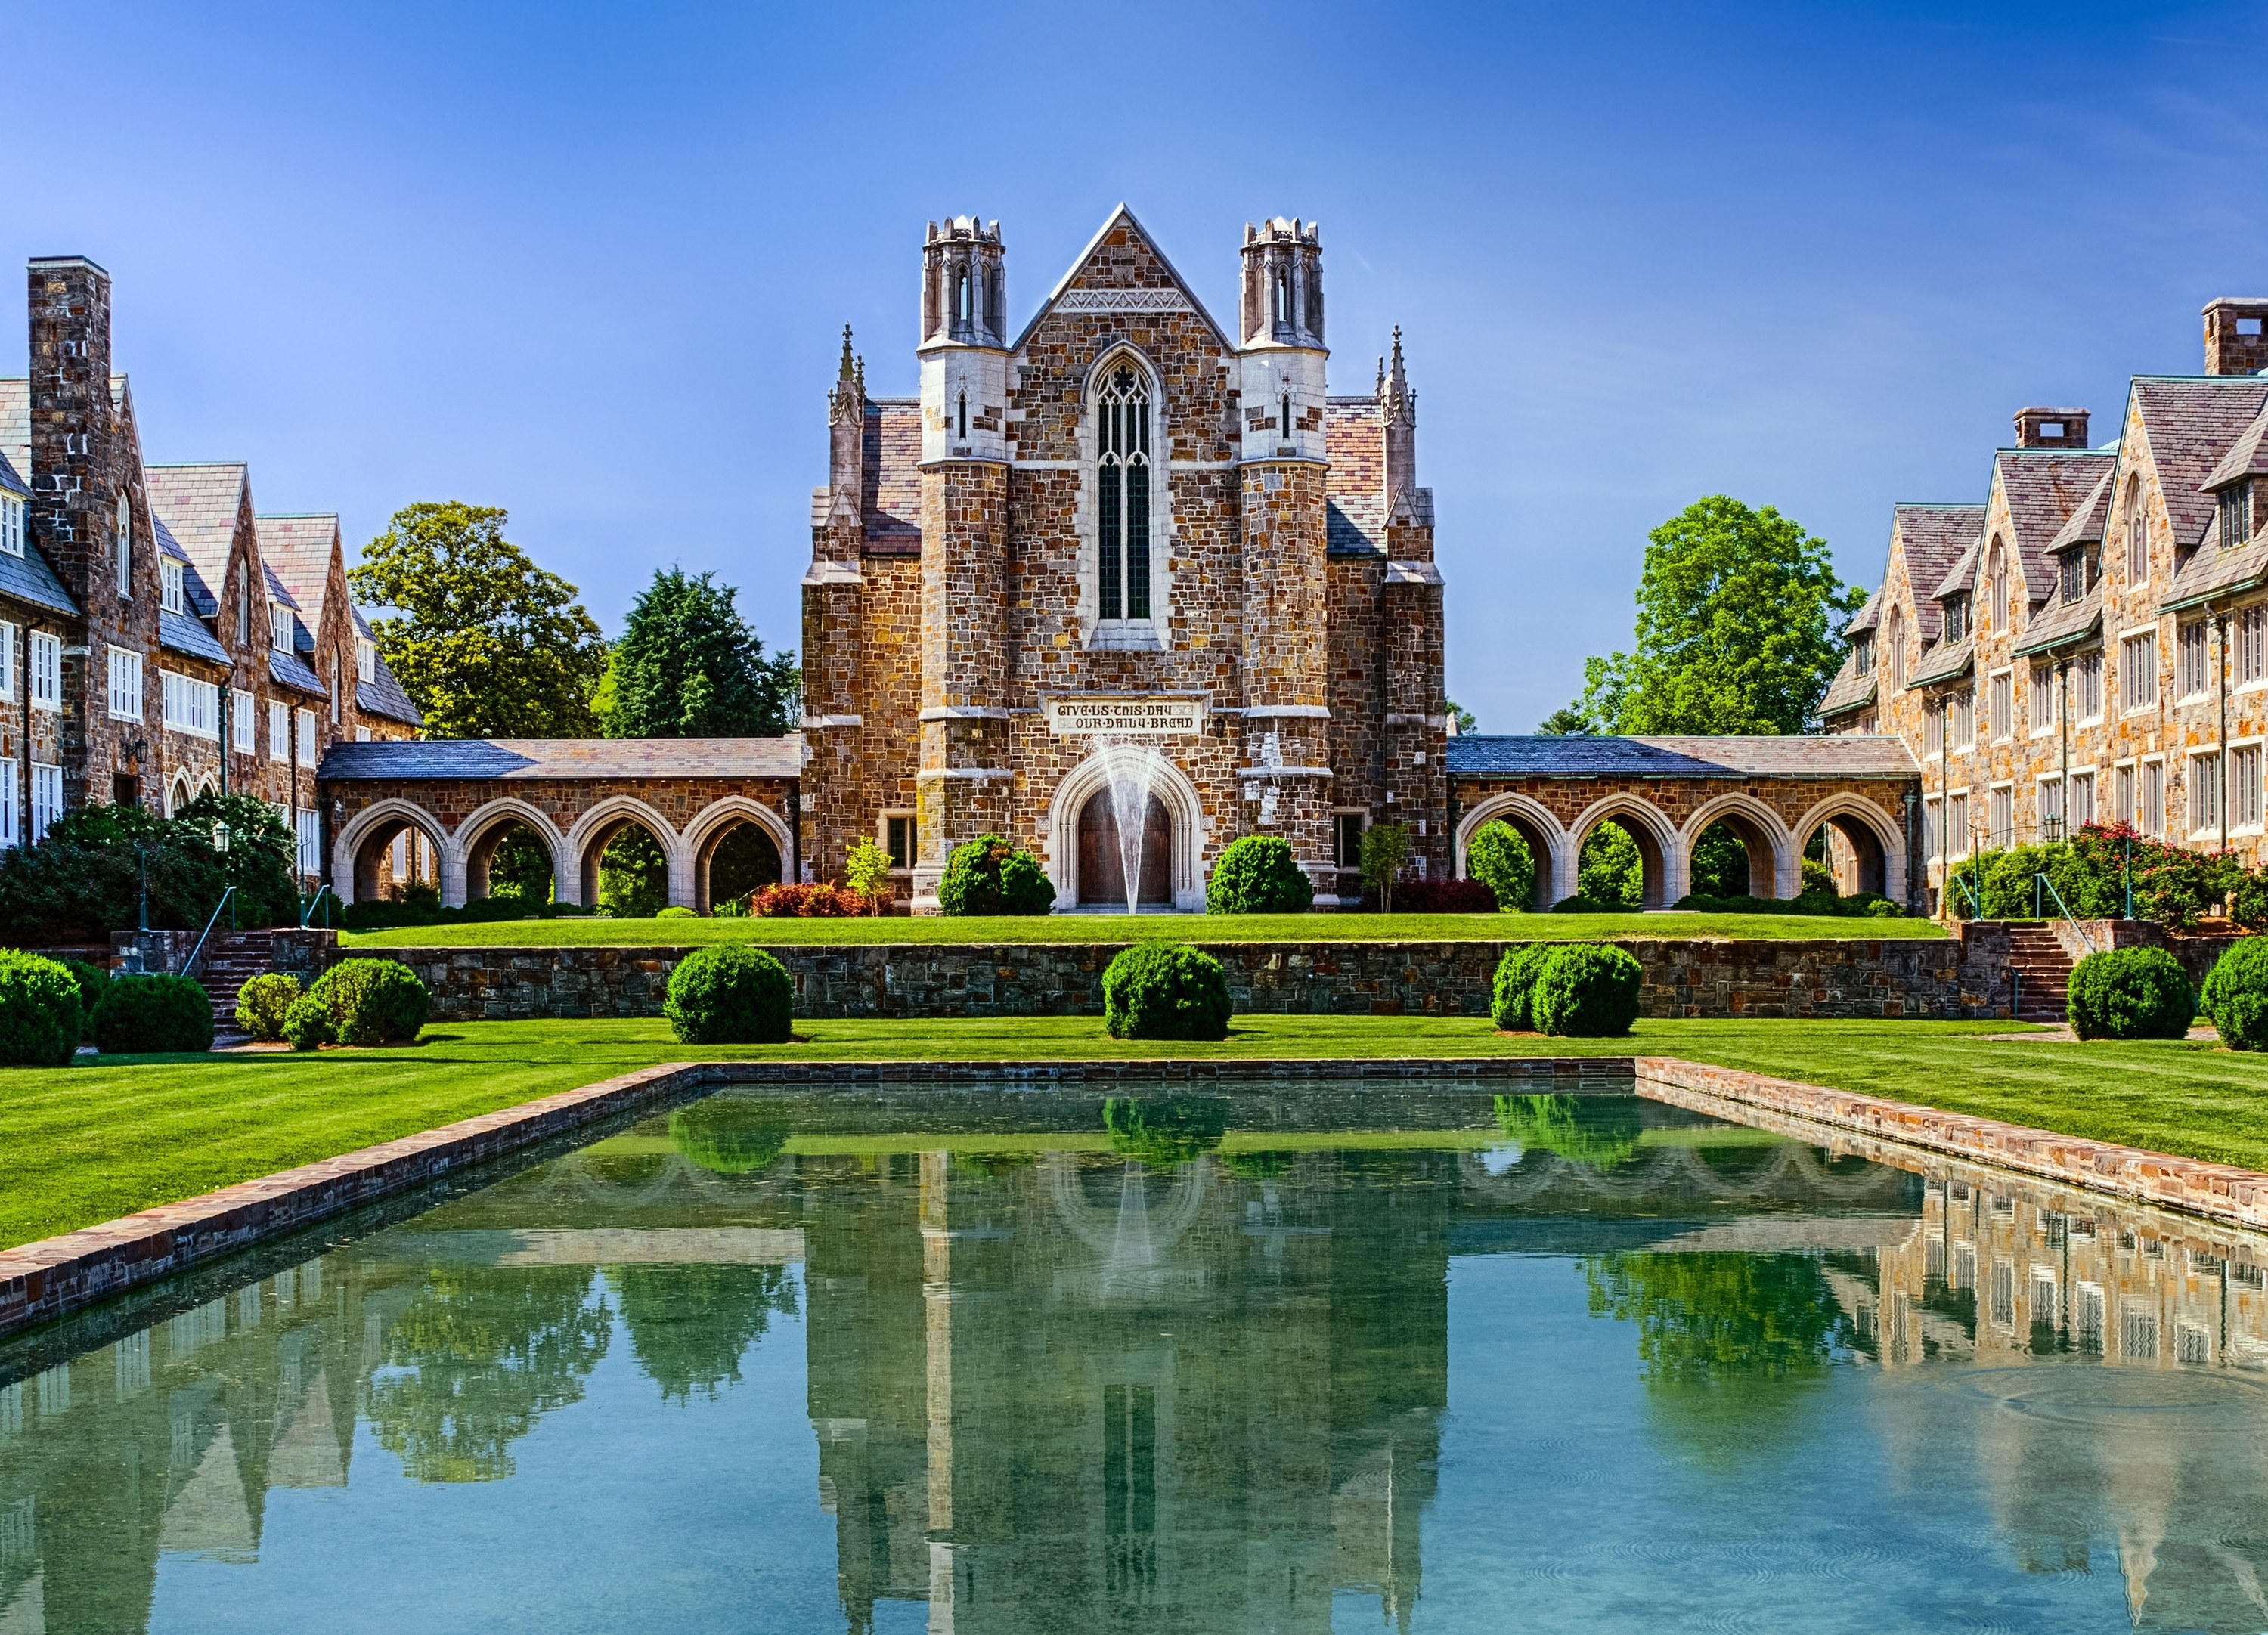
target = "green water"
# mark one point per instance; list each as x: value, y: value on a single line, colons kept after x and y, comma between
x: 1020, y: 1362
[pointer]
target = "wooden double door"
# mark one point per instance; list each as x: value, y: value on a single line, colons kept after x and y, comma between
x: 1101, y: 868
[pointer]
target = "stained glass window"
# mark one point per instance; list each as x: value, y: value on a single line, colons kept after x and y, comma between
x: 1122, y: 508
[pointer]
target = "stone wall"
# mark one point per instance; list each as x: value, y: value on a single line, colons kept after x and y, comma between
x: 1961, y: 977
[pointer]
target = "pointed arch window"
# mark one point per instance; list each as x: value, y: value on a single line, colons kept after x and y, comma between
x: 1122, y: 470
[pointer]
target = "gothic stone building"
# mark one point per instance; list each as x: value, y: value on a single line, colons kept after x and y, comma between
x: 2091, y: 643
x: 1124, y: 540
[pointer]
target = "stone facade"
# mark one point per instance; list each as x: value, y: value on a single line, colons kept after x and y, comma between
x: 1122, y: 505
x: 2091, y: 643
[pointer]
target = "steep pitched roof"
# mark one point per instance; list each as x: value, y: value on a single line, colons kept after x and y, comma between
x: 28, y: 578
x: 2085, y: 524
x: 290, y: 670
x: 1868, y: 617
x: 1853, y: 689
x: 2248, y: 458
x: 11, y: 481
x: 2211, y: 572
x: 297, y: 550
x: 1354, y: 500
x: 200, y: 504
x: 1943, y: 664
x: 2191, y: 421
x: 383, y: 694
x: 1963, y: 570
x: 2042, y: 487
x: 1854, y: 756
x: 2060, y: 627
x: 1121, y: 216
x: 1933, y: 538
x: 522, y: 758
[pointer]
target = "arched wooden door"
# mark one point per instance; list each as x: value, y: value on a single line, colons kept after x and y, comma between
x: 1101, y: 870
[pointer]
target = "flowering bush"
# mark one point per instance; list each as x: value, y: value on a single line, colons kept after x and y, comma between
x: 821, y: 901
x: 2172, y: 885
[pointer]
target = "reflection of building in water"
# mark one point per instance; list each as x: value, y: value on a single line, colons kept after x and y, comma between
x: 1080, y: 1391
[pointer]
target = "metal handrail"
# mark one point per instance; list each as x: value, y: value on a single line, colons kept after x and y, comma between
x: 189, y: 965
x: 1976, y: 907
x: 308, y: 913
x: 2039, y: 880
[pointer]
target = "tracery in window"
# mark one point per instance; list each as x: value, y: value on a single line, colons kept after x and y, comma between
x: 1122, y: 499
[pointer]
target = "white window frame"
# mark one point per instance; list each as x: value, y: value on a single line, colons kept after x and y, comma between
x: 279, y: 627
x: 12, y: 524
x: 121, y: 555
x: 2138, y: 539
x: 2192, y: 652
x: 2245, y: 814
x: 365, y: 659
x: 47, y: 798
x: 2145, y: 641
x: 2202, y: 788
x: 1962, y: 726
x: 279, y: 730
x: 2089, y: 691
x: 2126, y: 795
x: 243, y: 722
x: 8, y: 639
x: 304, y: 720
x: 2000, y: 706
x: 2081, y: 777
x: 2045, y: 722
x: 2049, y: 818
x: 1956, y: 833
x: 1932, y: 829
x: 191, y: 706
x: 2249, y: 665
x: 1148, y: 631
x: 11, y: 774
x: 123, y: 671
x: 174, y: 586
x: 46, y: 650
x: 1999, y: 817
x: 2150, y: 796
x: 307, y: 824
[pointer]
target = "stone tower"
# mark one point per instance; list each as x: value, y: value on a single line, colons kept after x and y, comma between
x: 963, y: 781
x: 834, y: 624
x: 1414, y: 742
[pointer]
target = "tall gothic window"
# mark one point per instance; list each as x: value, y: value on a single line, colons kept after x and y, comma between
x: 1122, y: 503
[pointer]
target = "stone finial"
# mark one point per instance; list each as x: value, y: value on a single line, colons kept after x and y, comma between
x: 848, y: 401
x: 1397, y: 410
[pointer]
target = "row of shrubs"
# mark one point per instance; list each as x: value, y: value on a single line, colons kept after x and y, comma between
x: 2090, y: 872
x: 2144, y: 993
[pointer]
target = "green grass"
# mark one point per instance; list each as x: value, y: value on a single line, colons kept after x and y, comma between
x: 82, y: 1145
x: 1125, y: 928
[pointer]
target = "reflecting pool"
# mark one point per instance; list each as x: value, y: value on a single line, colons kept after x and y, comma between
x: 1333, y: 1358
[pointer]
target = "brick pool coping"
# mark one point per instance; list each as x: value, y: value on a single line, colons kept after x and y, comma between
x: 57, y: 1276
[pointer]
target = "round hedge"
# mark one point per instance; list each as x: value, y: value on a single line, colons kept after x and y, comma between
x: 675, y: 912
x: 40, y: 1016
x: 728, y: 1135
x: 307, y: 1023
x: 1165, y: 990
x: 1164, y: 1132
x: 1512, y: 1005
x: 93, y: 979
x: 1258, y: 874
x: 373, y: 1001
x: 262, y: 1003
x: 731, y: 994
x: 1587, y: 990
x: 2237, y: 995
x: 990, y: 875
x: 2130, y: 993
x: 144, y: 1012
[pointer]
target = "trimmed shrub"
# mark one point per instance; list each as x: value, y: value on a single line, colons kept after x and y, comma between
x: 1436, y: 897
x: 262, y: 1003
x: 144, y: 1012
x: 731, y: 994
x: 307, y: 1023
x: 1259, y: 875
x: 677, y: 912
x: 1587, y: 990
x: 373, y: 1001
x: 1858, y: 903
x: 1511, y: 1004
x: 1600, y: 1131
x: 2237, y: 995
x: 92, y: 980
x: 1580, y: 904
x: 42, y: 1014
x: 988, y: 875
x: 2130, y: 993
x: 1499, y: 859
x: 728, y: 1135
x: 1170, y: 1130
x: 1165, y: 990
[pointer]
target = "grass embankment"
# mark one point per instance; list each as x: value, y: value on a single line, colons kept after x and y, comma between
x: 82, y: 1145
x: 1132, y: 928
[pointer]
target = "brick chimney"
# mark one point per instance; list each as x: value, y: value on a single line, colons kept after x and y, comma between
x: 2051, y: 427
x: 2235, y: 337
x: 73, y: 488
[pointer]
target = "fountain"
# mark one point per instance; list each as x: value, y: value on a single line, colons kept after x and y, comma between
x: 1133, y: 769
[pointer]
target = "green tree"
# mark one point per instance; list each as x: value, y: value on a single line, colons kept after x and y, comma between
x: 1385, y: 849
x: 689, y: 1325
x: 867, y: 868
x: 1739, y: 615
x: 1567, y: 721
x: 86, y: 875
x: 1720, y: 865
x: 1500, y: 860
x: 687, y: 666
x: 485, y: 642
x: 633, y: 875
x: 1609, y: 869
x: 1462, y: 722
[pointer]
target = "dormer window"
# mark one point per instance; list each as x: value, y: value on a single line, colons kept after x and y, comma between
x: 2071, y: 577
x: 12, y: 524
x: 279, y: 627
x: 365, y: 659
x: 2236, y: 514
x: 1862, y: 653
x: 1121, y: 447
x: 173, y: 594
x: 1956, y: 618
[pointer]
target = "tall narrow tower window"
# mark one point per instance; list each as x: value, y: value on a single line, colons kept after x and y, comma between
x: 1286, y: 423
x: 964, y: 415
x: 1283, y: 296
x: 964, y: 296
x: 122, y: 546
x: 1122, y: 495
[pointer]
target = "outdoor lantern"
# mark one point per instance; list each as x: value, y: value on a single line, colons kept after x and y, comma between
x: 220, y: 837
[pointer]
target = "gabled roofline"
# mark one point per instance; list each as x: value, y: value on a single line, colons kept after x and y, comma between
x: 1085, y: 254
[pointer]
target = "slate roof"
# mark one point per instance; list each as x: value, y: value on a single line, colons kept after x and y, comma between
x: 1933, y: 537
x: 2085, y: 525
x: 2211, y: 572
x: 1868, y: 617
x: 186, y: 635
x: 2191, y: 421
x: 1854, y: 755
x: 1853, y: 689
x: 290, y: 670
x: 382, y: 695
x: 28, y: 578
x: 10, y: 481
x: 2057, y: 626
x: 16, y: 422
x: 298, y: 550
x: 203, y: 602
x: 2248, y: 458
x: 2042, y: 487
x: 200, y: 504
x: 1960, y: 574
x: 527, y: 758
x: 1942, y: 664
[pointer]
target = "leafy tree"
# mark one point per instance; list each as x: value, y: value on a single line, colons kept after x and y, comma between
x: 1462, y: 722
x: 520, y: 867
x: 1500, y: 860
x: 1739, y: 615
x: 687, y: 666
x: 485, y: 643
x: 1597, y: 1130
x: 1385, y: 849
x: 867, y: 868
x: 1720, y: 865
x: 1610, y: 869
x: 84, y: 877
x: 1567, y: 721
x: 633, y: 875
x: 747, y: 860
x: 689, y: 1325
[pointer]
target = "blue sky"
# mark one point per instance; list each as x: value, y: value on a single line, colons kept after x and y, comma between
x: 592, y: 264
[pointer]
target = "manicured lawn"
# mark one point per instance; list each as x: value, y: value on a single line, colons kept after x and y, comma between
x: 84, y: 1144
x: 1125, y: 928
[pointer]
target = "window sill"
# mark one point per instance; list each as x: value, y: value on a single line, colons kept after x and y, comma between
x: 1118, y: 636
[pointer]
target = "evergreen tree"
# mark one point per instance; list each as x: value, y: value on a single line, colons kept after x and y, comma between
x: 687, y: 666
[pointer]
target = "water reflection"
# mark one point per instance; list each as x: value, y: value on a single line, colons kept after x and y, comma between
x: 1183, y: 1361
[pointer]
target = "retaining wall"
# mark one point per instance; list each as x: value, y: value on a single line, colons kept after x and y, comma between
x: 1957, y: 977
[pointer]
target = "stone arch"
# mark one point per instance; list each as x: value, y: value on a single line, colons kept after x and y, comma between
x: 1184, y: 818
x: 713, y: 822
x: 208, y: 784
x: 1775, y: 854
x: 1865, y: 842
x: 357, y: 848
x: 477, y: 835
x: 1661, y: 846
x: 1547, y: 840
x: 596, y: 827
x: 177, y: 793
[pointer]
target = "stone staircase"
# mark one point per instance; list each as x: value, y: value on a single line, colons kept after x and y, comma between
x: 233, y: 959
x: 2036, y: 956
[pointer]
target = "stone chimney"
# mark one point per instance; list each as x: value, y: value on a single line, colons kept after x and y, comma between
x: 2051, y: 427
x: 2235, y: 337
x: 73, y: 476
